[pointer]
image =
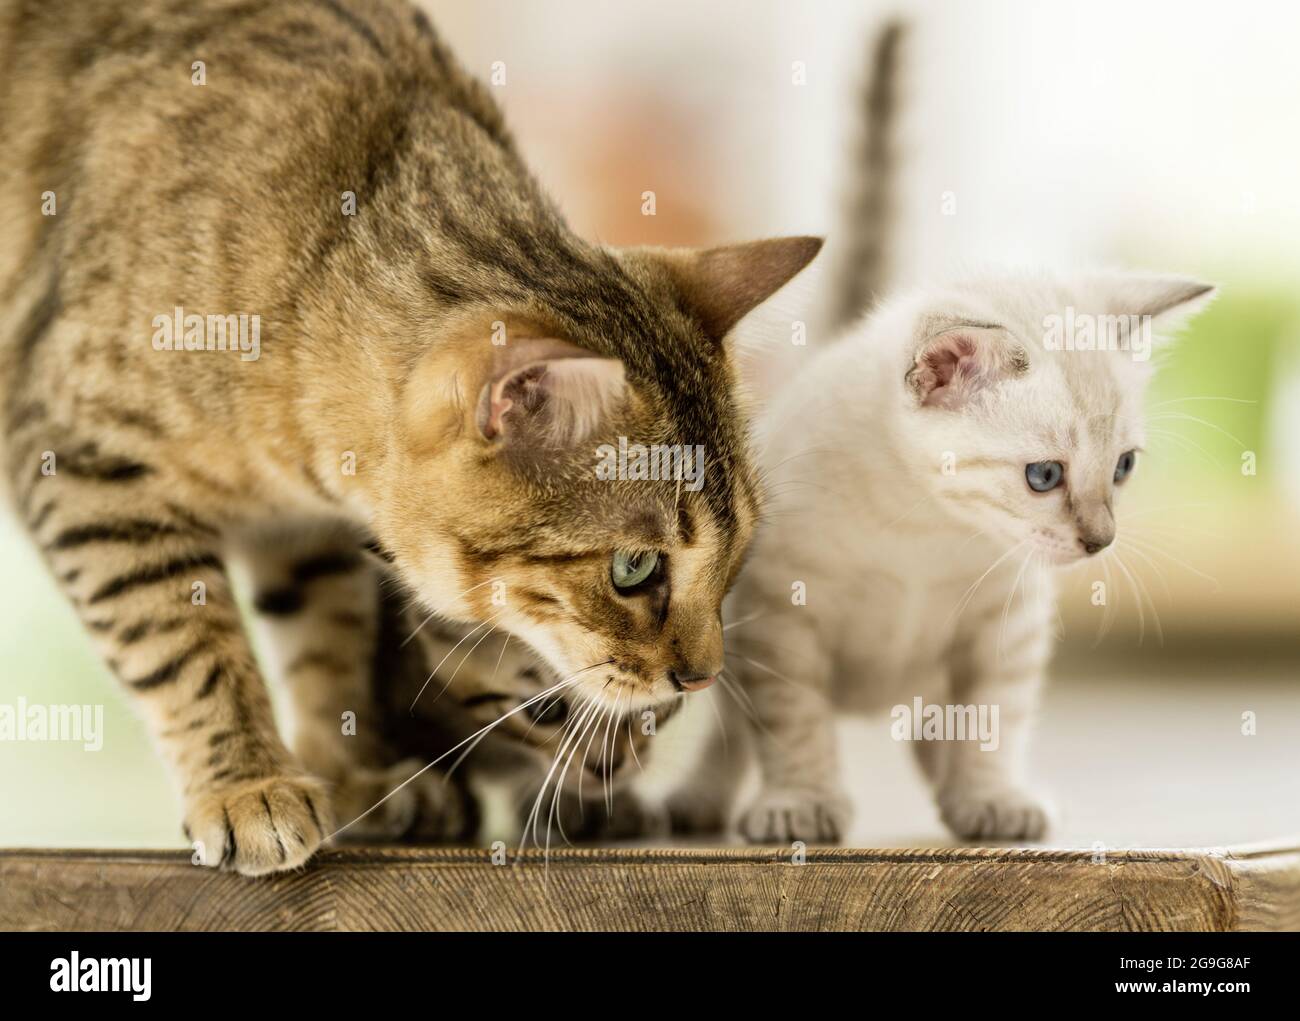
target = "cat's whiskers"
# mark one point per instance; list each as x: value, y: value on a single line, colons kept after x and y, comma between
x: 764, y: 473
x: 1185, y: 443
x: 1108, y: 606
x: 1180, y: 530
x: 744, y: 620
x: 1132, y: 548
x: 717, y: 715
x: 571, y: 728
x: 747, y: 705
x: 788, y: 680
x: 480, y: 733
x: 1128, y: 543
x: 910, y: 511
x: 969, y: 594
x: 1137, y: 596
x: 607, y: 755
x: 632, y: 745
x: 1183, y: 417
x: 434, y: 613
x: 1184, y: 400
x: 1152, y: 547
x: 444, y: 659
x: 557, y: 687
x: 1146, y: 591
x: 554, y: 818
x: 773, y: 489
x: 591, y: 720
x: 1143, y: 512
x: 582, y: 769
x: 502, y: 656
x: 554, y: 691
x: 741, y: 697
x: 462, y: 663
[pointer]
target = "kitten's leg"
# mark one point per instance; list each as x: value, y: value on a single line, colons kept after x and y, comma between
x: 785, y: 693
x: 136, y: 549
x: 981, y: 792
x: 934, y: 686
x: 318, y: 603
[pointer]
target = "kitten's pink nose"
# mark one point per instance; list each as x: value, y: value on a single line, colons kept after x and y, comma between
x: 690, y: 682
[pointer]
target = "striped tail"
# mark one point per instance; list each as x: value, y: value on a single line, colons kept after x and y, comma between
x: 862, y: 271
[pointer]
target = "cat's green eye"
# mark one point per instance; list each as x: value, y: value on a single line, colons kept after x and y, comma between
x: 628, y: 570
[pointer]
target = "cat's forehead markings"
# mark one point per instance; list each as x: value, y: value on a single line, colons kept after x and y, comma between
x: 685, y: 525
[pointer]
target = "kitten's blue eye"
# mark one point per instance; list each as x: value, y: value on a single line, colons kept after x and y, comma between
x: 1044, y: 475
x: 628, y: 570
x: 1124, y: 467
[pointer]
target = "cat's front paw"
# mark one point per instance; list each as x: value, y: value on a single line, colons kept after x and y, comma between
x: 401, y: 802
x: 994, y: 813
x: 259, y: 826
x: 784, y: 816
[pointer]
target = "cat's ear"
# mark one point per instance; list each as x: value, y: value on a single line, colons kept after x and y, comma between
x: 720, y: 286
x: 559, y: 397
x: 952, y: 363
x: 1169, y: 300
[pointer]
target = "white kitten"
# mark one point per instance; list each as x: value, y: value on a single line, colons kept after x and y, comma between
x: 929, y: 470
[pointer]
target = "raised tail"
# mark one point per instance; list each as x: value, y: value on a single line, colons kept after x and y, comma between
x: 862, y: 270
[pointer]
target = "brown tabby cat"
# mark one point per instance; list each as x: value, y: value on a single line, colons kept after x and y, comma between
x: 434, y: 362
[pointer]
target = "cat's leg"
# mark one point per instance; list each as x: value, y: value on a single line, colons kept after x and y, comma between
x: 981, y: 792
x: 138, y: 549
x: 934, y: 685
x: 784, y: 691
x: 317, y: 602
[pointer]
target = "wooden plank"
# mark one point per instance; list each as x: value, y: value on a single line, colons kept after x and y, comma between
x: 682, y: 889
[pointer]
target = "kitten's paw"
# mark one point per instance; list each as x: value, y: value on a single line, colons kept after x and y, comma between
x: 784, y: 816
x: 380, y: 804
x: 259, y: 826
x: 994, y: 813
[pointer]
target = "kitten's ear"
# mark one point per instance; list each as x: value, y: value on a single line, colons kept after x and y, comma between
x: 1169, y: 300
x: 560, y: 396
x: 953, y: 363
x: 720, y: 286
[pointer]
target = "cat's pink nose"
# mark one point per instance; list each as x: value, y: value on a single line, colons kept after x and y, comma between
x: 691, y: 682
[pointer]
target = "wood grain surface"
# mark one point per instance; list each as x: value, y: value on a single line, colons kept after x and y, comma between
x: 685, y: 889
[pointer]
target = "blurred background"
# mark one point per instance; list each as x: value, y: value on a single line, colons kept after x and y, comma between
x: 1158, y: 136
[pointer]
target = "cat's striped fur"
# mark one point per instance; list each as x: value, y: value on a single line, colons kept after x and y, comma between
x: 164, y: 154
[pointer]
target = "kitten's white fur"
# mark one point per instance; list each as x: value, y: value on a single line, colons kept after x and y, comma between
x: 901, y: 507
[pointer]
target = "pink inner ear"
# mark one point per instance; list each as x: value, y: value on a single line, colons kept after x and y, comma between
x: 948, y: 370
x: 524, y: 386
x: 550, y: 402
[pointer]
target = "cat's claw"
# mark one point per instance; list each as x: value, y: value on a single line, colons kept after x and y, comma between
x: 259, y: 826
x: 1000, y: 813
x: 783, y: 817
